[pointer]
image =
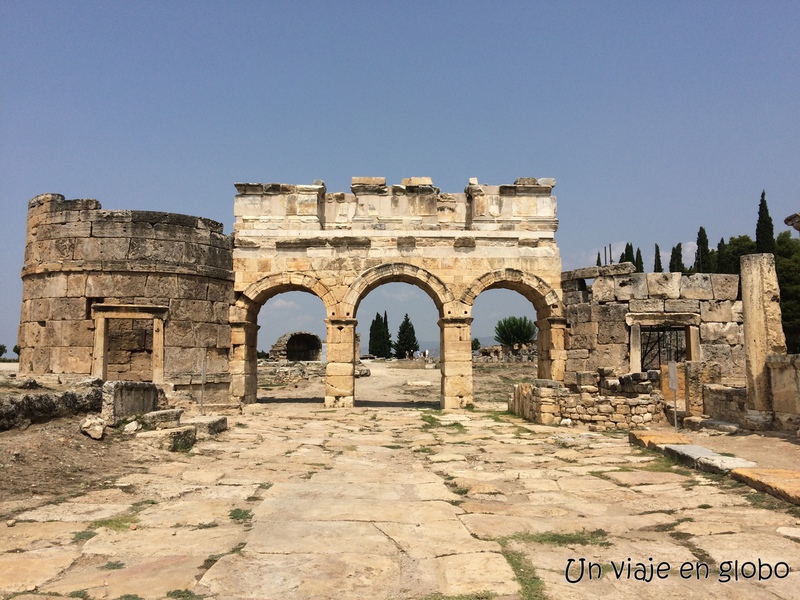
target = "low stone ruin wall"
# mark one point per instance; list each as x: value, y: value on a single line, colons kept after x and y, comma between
x: 784, y: 373
x: 22, y: 410
x: 549, y: 403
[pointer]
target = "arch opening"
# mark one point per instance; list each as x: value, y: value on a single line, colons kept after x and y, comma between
x: 412, y: 380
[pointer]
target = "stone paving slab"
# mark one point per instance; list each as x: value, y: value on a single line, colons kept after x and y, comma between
x: 778, y: 482
x: 148, y: 578
x: 27, y: 571
x: 345, y: 517
x: 723, y: 464
x: 687, y: 454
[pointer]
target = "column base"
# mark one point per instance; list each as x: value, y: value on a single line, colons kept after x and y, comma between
x: 339, y: 401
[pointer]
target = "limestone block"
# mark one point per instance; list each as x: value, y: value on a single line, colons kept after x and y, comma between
x: 582, y: 312
x: 664, y: 285
x: 77, y: 333
x: 623, y: 268
x: 646, y: 305
x: 333, y: 369
x: 605, y: 313
x: 720, y: 311
x: 737, y: 314
x: 71, y: 360
x: 681, y: 306
x: 627, y: 287
x: 725, y: 287
x: 76, y: 285
x: 718, y: 353
x: 612, y: 332
x: 181, y: 438
x: 603, y: 289
x: 73, y: 309
x: 729, y: 333
x: 575, y: 297
x: 613, y: 356
x: 697, y: 287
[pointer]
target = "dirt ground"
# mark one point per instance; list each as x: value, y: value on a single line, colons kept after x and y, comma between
x: 53, y: 460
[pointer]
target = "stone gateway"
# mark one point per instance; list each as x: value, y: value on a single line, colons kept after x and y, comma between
x: 150, y: 296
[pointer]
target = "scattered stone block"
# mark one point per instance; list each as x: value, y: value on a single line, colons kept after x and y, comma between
x: 123, y: 399
x: 163, y: 419
x: 180, y: 438
x: 94, y: 427
x: 208, y: 425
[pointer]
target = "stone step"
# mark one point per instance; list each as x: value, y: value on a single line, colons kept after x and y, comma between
x: 208, y: 424
x: 174, y: 440
x: 163, y: 419
x: 687, y: 454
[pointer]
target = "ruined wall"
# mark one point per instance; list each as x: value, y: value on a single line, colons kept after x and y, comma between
x: 606, y: 320
x: 130, y: 294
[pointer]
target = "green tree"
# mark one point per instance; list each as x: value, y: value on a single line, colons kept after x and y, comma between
x: 736, y: 248
x: 724, y: 259
x: 2, y: 350
x: 476, y: 344
x: 787, y: 266
x: 676, y: 260
x: 515, y: 330
x: 16, y: 351
x: 380, y: 340
x: 638, y: 261
x: 765, y: 232
x: 262, y: 355
x: 406, y: 339
x: 599, y: 264
x: 702, y: 260
x: 627, y: 254
x: 657, y: 268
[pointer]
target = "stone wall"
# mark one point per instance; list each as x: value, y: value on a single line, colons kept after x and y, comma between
x: 606, y: 319
x: 549, y: 403
x: 133, y: 294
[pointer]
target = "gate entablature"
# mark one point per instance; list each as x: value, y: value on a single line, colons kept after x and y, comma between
x: 340, y: 246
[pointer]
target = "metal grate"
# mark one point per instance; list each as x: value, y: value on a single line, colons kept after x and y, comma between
x: 661, y: 344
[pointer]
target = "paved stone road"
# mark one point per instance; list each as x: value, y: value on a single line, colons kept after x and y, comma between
x: 369, y: 503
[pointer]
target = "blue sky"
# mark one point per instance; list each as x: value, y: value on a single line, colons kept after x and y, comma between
x: 655, y: 118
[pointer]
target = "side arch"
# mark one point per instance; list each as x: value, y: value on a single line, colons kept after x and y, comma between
x: 543, y: 297
x: 257, y: 294
x: 243, y: 318
x: 551, y: 343
x: 396, y: 272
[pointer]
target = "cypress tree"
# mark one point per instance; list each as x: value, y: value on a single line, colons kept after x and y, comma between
x: 629, y: 255
x: 638, y: 262
x: 702, y: 261
x: 657, y: 268
x: 676, y: 260
x: 599, y: 264
x: 723, y: 258
x: 375, y: 333
x: 406, y: 339
x: 765, y: 232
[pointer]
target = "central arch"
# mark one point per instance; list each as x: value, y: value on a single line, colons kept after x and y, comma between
x: 394, y: 273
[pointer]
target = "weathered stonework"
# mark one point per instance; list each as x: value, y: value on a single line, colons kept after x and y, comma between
x: 605, y: 326
x: 341, y: 246
x: 129, y: 295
